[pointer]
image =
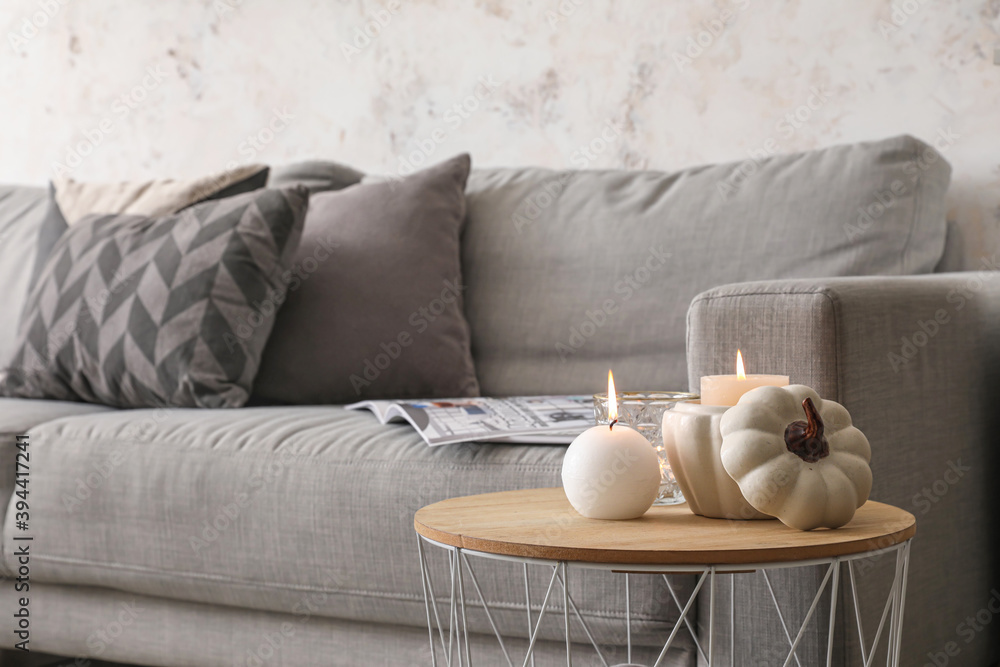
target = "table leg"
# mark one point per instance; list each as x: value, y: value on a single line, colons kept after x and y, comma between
x: 427, y: 604
x: 628, y: 618
x: 896, y: 625
x: 465, y: 624
x: 569, y: 643
x: 687, y: 622
x: 833, y: 611
x: 897, y: 649
x: 812, y: 609
x: 541, y: 615
x: 682, y: 617
x: 781, y: 616
x: 732, y: 620
x: 453, y: 614
x: 527, y: 605
x: 857, y: 609
x: 711, y: 615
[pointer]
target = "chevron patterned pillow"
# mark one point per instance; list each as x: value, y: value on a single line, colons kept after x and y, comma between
x: 134, y: 311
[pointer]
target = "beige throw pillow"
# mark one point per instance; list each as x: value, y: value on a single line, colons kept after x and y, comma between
x: 77, y: 199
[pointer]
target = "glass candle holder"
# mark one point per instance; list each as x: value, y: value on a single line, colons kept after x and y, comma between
x: 643, y: 411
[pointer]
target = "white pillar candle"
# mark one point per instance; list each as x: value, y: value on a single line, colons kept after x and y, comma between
x: 727, y: 389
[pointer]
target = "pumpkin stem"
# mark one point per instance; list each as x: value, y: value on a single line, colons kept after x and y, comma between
x: 805, y: 439
x: 814, y: 428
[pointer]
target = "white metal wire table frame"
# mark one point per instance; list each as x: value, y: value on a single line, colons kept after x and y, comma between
x: 453, y: 637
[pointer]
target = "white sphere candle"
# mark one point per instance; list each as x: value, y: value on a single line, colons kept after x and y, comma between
x: 611, y: 471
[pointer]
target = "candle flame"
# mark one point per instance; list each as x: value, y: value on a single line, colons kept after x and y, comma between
x: 612, y: 400
x: 741, y: 373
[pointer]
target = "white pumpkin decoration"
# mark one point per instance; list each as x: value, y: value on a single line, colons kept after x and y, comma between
x: 796, y: 456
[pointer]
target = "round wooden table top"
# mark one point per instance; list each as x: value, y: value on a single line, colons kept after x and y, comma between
x: 540, y: 523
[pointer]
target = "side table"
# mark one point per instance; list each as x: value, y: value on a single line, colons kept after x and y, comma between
x: 539, y: 527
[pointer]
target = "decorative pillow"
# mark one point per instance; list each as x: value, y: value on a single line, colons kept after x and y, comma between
x: 135, y: 311
x: 374, y: 308
x: 153, y: 198
x: 72, y: 200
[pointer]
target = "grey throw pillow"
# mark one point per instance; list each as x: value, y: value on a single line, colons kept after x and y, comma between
x: 134, y: 311
x: 375, y: 309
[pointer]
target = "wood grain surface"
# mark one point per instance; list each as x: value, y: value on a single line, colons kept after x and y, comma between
x: 540, y: 523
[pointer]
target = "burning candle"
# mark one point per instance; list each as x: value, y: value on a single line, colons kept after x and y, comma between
x: 611, y: 471
x: 727, y: 389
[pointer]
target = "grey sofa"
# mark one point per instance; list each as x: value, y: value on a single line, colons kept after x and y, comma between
x: 283, y: 535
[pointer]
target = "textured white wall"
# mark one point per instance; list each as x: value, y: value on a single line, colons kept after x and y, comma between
x: 176, y: 88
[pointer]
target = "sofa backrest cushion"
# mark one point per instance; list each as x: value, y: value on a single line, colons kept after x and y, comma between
x: 570, y: 272
x: 22, y: 210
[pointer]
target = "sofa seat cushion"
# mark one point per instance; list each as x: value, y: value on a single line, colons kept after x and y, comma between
x: 17, y: 416
x: 284, y: 509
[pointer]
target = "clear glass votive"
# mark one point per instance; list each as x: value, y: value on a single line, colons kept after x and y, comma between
x: 643, y: 411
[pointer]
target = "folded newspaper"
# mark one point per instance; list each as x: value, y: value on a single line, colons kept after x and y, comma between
x: 522, y: 419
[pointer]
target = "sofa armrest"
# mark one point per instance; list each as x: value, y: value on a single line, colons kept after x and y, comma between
x: 906, y: 356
